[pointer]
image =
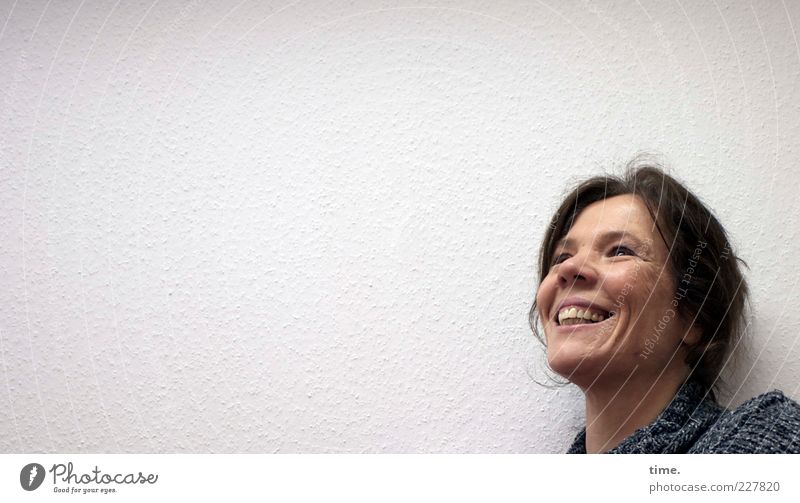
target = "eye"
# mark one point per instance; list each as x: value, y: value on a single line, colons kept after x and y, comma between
x: 620, y: 249
x: 560, y: 258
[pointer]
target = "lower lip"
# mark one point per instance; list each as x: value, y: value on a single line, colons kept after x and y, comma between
x: 583, y: 326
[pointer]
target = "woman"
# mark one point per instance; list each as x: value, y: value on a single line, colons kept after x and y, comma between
x: 642, y: 300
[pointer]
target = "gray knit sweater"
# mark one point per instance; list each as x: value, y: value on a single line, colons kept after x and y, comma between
x: 693, y: 423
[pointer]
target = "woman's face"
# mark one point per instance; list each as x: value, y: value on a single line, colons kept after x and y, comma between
x: 614, y: 263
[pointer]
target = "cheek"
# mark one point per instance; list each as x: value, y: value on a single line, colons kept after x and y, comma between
x: 544, y: 296
x: 648, y: 292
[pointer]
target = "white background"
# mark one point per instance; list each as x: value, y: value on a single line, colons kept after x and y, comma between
x: 313, y: 226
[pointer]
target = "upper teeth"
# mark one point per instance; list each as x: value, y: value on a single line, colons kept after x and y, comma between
x: 572, y: 312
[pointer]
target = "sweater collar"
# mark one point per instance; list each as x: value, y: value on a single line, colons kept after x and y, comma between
x: 690, y: 413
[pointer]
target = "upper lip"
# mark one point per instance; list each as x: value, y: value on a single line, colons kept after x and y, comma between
x: 578, y: 302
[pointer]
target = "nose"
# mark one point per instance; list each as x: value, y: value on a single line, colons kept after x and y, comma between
x: 576, y: 269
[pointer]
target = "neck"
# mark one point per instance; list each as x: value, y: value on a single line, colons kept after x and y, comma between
x: 614, y: 410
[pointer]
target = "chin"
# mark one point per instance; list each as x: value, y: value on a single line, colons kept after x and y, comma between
x: 576, y: 367
x: 585, y: 369
x: 583, y: 357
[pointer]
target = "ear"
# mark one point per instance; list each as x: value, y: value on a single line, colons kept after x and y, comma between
x: 692, y: 336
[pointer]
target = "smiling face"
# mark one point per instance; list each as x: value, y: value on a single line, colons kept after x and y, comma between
x: 613, y: 262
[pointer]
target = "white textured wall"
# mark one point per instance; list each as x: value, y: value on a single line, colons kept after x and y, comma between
x: 312, y: 226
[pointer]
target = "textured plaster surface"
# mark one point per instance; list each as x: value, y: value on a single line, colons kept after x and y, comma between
x: 312, y: 226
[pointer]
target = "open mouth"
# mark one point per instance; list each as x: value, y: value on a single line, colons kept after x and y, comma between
x: 575, y: 316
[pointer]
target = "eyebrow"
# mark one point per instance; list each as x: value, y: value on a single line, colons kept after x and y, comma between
x: 607, y: 236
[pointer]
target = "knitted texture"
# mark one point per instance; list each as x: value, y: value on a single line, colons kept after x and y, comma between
x: 693, y: 423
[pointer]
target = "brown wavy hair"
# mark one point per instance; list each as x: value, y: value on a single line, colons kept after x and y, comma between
x: 716, y: 292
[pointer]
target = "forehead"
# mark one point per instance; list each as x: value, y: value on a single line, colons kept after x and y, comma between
x: 619, y: 214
